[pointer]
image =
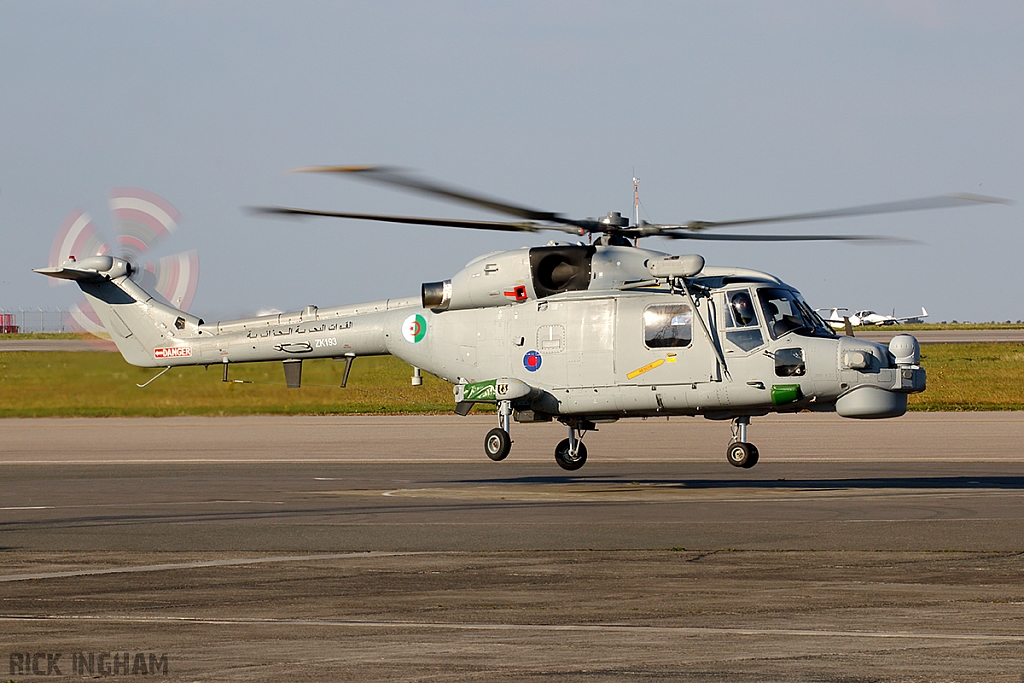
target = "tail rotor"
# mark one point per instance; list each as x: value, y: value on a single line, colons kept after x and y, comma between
x: 143, y: 220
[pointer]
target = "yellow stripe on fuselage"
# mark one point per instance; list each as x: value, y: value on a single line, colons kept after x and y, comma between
x: 649, y: 366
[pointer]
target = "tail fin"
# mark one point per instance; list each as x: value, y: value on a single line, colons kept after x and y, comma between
x: 139, y: 324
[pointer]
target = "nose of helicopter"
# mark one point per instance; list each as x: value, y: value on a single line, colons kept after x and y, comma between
x: 877, y: 379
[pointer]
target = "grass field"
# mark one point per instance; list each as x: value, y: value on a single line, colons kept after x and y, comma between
x: 972, y: 377
x: 38, y: 384
x: 44, y: 335
x: 54, y: 383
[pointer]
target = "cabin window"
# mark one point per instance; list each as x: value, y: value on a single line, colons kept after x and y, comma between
x: 743, y: 329
x: 668, y: 325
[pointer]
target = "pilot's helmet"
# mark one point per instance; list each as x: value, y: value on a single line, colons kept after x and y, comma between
x: 742, y: 308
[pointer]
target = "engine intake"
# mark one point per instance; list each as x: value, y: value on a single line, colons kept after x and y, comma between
x: 560, y: 268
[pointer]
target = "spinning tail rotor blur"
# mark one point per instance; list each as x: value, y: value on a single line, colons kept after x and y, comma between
x: 143, y: 220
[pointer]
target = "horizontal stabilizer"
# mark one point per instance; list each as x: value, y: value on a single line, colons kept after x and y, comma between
x: 65, y: 273
x: 90, y: 268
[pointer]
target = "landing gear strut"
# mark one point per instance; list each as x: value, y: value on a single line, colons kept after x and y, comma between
x: 498, y: 441
x: 571, y: 454
x: 740, y: 452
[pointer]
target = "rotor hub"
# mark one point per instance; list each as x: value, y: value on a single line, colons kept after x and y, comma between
x: 613, y: 219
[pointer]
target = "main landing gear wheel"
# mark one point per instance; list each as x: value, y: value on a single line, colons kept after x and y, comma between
x: 498, y: 441
x: 743, y: 455
x: 497, y: 444
x: 568, y: 460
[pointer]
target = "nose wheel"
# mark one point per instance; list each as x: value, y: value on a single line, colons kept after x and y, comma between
x: 569, y: 459
x: 743, y: 455
x: 740, y: 452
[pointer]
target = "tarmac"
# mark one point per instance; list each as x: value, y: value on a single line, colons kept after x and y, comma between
x: 390, y: 548
x: 882, y: 336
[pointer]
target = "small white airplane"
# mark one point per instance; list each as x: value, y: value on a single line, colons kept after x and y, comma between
x: 837, y: 321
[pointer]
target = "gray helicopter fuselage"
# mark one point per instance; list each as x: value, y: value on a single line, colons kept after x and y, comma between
x: 602, y: 354
x: 589, y: 331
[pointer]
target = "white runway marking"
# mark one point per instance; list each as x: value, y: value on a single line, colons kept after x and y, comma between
x: 441, y: 459
x: 463, y: 626
x: 147, y: 505
x: 446, y: 459
x: 203, y: 563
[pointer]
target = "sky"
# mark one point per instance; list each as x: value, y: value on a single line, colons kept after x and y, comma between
x: 724, y: 110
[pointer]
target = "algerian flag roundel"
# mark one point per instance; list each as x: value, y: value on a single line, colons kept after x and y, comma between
x: 414, y: 329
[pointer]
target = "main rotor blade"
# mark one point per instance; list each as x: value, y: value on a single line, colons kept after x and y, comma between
x: 940, y: 202
x: 416, y: 220
x: 686, y: 235
x: 392, y: 176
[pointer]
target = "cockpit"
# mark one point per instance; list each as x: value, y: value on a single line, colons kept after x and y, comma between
x: 786, y: 311
x: 782, y: 310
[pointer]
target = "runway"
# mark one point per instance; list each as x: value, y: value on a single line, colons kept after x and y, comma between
x: 882, y: 336
x: 316, y: 548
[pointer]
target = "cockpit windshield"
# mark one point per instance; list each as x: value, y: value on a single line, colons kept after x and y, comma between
x: 786, y: 311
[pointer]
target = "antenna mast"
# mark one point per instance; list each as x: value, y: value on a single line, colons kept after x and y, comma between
x: 636, y: 208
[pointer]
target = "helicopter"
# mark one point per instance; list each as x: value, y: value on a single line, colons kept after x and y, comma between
x: 583, y: 333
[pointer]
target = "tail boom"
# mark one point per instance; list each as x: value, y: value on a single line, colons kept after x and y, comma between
x: 149, y: 333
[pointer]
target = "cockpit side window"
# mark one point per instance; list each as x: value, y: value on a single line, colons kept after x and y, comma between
x: 741, y: 310
x: 668, y: 325
x: 742, y: 328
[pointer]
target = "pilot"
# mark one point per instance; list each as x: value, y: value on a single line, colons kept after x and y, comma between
x: 742, y: 309
x: 774, y: 320
x: 778, y: 322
